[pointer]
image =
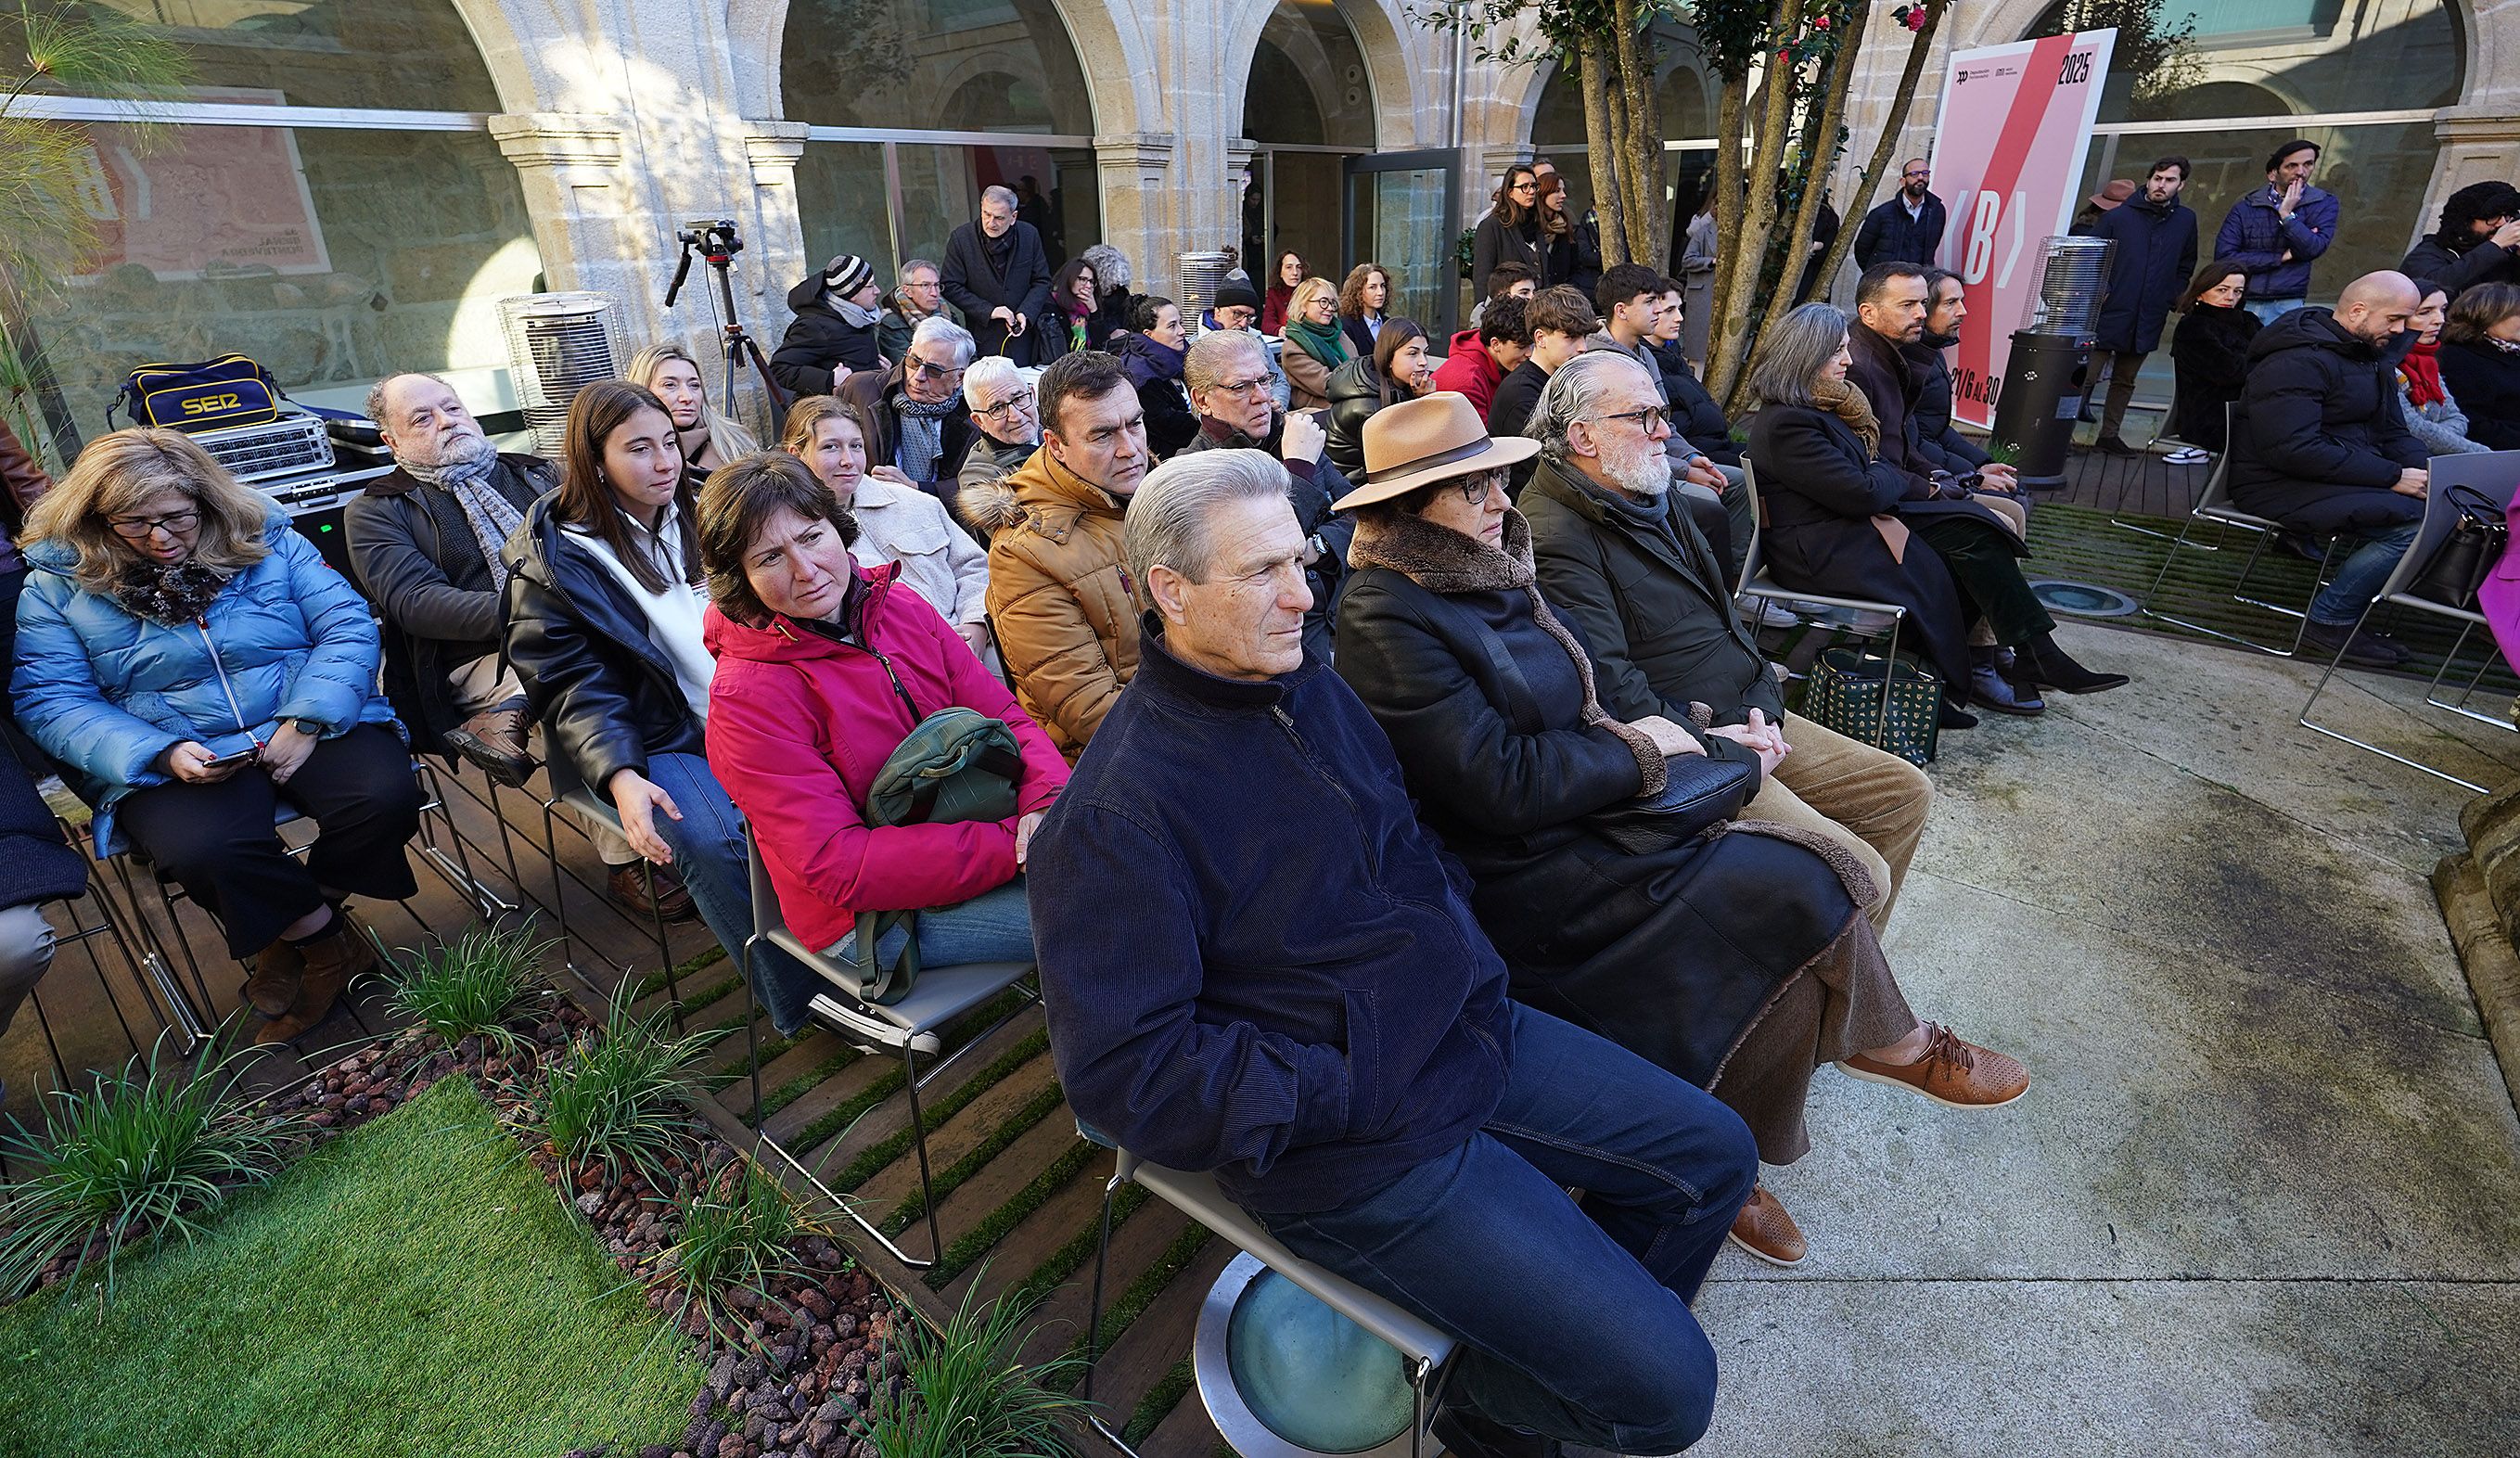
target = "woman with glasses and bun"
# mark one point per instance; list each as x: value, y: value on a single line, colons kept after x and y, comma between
x: 194, y: 665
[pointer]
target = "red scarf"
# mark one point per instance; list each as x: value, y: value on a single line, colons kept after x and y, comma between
x: 2422, y: 370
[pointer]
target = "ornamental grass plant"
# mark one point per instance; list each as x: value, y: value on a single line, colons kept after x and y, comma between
x: 471, y: 987
x: 619, y: 1100
x: 964, y: 1393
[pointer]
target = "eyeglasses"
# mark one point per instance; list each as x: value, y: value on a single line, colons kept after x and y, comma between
x: 925, y: 370
x: 1256, y: 385
x: 1020, y: 401
x: 1526, y: 187
x: 1475, y: 489
x: 1647, y: 419
x: 141, y: 529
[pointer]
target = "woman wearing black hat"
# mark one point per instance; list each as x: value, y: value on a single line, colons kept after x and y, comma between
x: 838, y: 316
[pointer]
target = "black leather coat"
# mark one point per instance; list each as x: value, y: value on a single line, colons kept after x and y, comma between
x: 1356, y: 392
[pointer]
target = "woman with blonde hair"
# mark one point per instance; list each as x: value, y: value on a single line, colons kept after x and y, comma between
x: 709, y: 438
x: 896, y: 522
x: 1315, y: 344
x: 196, y: 666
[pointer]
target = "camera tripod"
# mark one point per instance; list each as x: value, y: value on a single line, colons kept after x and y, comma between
x: 715, y: 242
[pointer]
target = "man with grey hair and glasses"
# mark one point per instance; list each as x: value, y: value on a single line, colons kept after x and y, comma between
x: 915, y: 414
x: 1295, y: 994
x: 997, y: 274
x: 1228, y: 375
x: 1655, y: 609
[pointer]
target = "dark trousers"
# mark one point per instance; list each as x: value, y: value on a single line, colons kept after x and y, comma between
x: 2123, y: 366
x: 1982, y: 563
x: 217, y: 840
x: 1576, y: 1317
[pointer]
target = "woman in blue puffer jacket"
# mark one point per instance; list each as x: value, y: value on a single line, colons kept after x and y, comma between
x: 196, y: 664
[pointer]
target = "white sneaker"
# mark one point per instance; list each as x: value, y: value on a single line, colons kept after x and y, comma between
x: 1768, y: 613
x: 863, y: 1027
x: 2189, y: 455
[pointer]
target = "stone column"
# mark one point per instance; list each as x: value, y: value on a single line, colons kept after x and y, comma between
x: 776, y: 237
x: 570, y: 167
x: 1136, y: 174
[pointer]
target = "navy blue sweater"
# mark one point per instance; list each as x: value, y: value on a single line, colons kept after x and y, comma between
x: 1257, y: 960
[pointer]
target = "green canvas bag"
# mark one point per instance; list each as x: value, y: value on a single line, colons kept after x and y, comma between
x: 1845, y: 694
x: 956, y: 765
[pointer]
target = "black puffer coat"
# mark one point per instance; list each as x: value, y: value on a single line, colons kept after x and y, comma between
x: 1356, y: 392
x: 2320, y: 436
x: 1929, y: 370
x: 2485, y: 380
x: 604, y: 694
x: 1674, y: 953
x: 2211, y: 348
x: 819, y: 338
x: 2460, y: 269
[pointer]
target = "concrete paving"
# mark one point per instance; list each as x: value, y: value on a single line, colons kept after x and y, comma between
x: 2263, y: 1195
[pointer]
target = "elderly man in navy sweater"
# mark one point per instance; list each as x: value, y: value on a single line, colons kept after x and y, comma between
x: 1258, y: 963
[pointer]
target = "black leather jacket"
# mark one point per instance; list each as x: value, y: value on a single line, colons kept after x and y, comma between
x: 605, y: 695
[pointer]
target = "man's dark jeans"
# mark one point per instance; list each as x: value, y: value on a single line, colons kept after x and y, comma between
x: 1577, y: 1319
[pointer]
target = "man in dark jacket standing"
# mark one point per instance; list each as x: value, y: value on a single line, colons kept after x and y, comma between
x: 1908, y: 227
x: 997, y: 275
x: 2478, y: 241
x: 1296, y: 995
x: 2156, y: 251
x: 2319, y: 443
x: 2275, y: 232
x: 1656, y: 611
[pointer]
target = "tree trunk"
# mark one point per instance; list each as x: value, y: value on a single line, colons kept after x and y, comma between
x: 1601, y: 141
x: 1820, y: 154
x: 1729, y: 106
x: 1648, y: 210
x: 1730, y: 351
x: 1886, y: 147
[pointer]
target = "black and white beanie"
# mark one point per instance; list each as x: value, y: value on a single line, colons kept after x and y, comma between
x: 846, y: 274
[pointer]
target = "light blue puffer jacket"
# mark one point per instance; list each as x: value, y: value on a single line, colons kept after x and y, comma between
x: 107, y: 692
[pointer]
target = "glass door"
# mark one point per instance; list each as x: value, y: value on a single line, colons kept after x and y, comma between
x: 1403, y: 211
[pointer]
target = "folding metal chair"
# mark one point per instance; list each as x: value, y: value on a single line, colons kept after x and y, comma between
x: 1423, y: 1349
x: 942, y: 995
x: 585, y: 805
x: 2494, y: 475
x: 1756, y: 584
x: 2215, y: 506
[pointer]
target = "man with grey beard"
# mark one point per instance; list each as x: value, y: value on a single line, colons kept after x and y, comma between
x: 424, y: 543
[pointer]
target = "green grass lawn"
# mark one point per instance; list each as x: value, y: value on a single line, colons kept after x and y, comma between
x: 412, y: 1289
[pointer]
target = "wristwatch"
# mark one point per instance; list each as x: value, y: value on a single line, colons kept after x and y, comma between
x: 310, y: 727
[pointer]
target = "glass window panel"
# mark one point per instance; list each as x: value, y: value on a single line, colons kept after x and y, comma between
x: 330, y: 256
x: 409, y: 54
x: 840, y: 204
x: 1308, y: 83
x: 2289, y: 58
x: 946, y: 64
x: 1399, y: 225
x: 940, y: 191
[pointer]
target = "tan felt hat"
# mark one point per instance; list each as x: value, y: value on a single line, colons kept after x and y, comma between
x: 1434, y: 438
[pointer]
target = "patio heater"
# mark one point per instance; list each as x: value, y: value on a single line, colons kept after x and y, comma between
x: 1202, y: 275
x: 557, y: 342
x: 2044, y: 382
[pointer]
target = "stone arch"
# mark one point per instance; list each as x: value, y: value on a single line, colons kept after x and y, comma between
x: 1388, y: 70
x: 1111, y: 50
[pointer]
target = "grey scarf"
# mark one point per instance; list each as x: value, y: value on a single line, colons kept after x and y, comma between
x: 922, y: 434
x: 858, y: 318
x: 491, y: 516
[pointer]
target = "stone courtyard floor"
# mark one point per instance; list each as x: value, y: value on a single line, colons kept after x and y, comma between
x: 2263, y: 1195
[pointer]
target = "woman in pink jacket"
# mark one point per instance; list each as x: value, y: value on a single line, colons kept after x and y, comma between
x: 823, y: 669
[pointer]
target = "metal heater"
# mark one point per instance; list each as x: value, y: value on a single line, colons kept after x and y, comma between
x: 2044, y: 381
x: 557, y: 342
x: 1202, y: 275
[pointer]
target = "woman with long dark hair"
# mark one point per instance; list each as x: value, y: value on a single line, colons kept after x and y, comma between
x: 1283, y: 279
x: 1397, y: 369
x: 2211, y: 350
x: 1570, y: 247
x: 1073, y: 321
x: 1151, y: 355
x: 604, y: 600
x: 1509, y: 232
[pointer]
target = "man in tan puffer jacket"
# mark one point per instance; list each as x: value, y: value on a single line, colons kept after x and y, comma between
x: 1060, y: 596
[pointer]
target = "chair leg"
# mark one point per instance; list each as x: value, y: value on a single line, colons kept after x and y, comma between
x: 753, y: 1120
x: 2318, y: 728
x: 140, y: 949
x: 1093, y: 1316
x: 918, y: 1140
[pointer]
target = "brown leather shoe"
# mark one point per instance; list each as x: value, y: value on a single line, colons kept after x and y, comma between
x: 1953, y: 1071
x: 495, y: 740
x: 1766, y: 1231
x: 331, y: 960
x: 627, y: 884
x: 272, y: 985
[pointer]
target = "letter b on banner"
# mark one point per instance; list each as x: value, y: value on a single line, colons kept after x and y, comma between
x: 1977, y: 253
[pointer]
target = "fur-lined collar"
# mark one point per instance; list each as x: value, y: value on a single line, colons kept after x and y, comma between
x: 1440, y: 559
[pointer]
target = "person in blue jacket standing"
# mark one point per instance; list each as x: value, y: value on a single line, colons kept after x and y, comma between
x: 2156, y: 251
x: 2275, y: 232
x: 195, y: 664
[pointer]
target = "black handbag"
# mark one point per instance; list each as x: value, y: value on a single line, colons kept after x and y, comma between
x: 2460, y: 565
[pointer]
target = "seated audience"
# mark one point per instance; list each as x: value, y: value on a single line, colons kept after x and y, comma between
x: 1315, y: 344
x: 824, y: 666
x: 1631, y: 298
x: 1654, y: 607
x: 2478, y: 242
x: 1000, y: 397
x: 2480, y: 362
x: 1974, y: 523
x: 1296, y: 996
x: 1506, y: 280
x: 195, y: 664
x: 1364, y: 302
x: 1289, y: 272
x: 425, y: 542
x: 915, y: 296
x: 997, y: 276
x: 2433, y: 412
x: 1066, y: 617
x: 2320, y: 444
x: 1786, y: 974
x: 1114, y: 277
x: 1561, y: 322
x: 835, y: 331
x: 1230, y: 393
x: 1929, y: 366
x: 1395, y: 369
x: 915, y: 409
x: 36, y: 865
x: 710, y: 440
x: 1483, y: 357
x: 1235, y: 311
x: 1151, y: 353
x: 1073, y: 319
x: 2211, y: 350
x: 604, y: 612
x: 891, y: 520
x: 1844, y: 521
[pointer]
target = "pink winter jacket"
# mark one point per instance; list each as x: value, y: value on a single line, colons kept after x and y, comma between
x: 799, y: 726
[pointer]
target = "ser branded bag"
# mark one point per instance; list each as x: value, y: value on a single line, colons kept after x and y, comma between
x: 1888, y: 704
x: 229, y: 390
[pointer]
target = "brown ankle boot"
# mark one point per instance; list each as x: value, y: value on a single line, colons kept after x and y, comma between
x: 331, y: 960
x: 272, y: 987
